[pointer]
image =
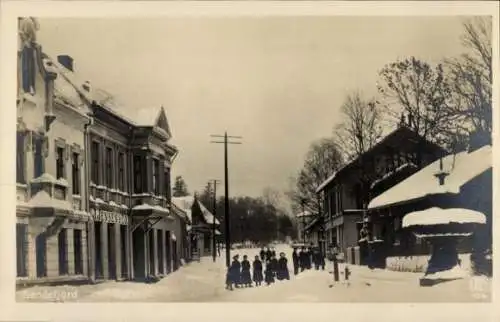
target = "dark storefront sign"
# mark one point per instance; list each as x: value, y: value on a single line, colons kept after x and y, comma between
x: 109, y: 217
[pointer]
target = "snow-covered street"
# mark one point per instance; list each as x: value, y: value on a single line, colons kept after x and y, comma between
x: 204, y: 282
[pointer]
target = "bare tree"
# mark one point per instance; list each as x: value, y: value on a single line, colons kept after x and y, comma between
x: 419, y: 90
x: 361, y: 126
x: 322, y: 160
x: 470, y: 76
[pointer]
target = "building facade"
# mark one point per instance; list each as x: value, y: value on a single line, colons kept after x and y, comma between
x: 93, y: 192
x: 345, y: 195
x: 52, y: 216
x: 204, y: 227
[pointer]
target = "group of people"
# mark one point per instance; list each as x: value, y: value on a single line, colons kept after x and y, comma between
x: 239, y: 275
x: 304, y: 259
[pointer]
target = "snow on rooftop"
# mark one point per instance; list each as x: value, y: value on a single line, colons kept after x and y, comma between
x: 185, y: 204
x: 44, y: 178
x: 326, y: 182
x: 209, y: 217
x: 438, y: 216
x: 461, y: 167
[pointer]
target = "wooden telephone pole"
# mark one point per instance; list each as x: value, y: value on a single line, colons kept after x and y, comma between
x: 227, y: 233
x: 214, y: 183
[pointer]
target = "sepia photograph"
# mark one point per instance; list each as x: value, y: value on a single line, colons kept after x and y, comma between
x: 256, y: 159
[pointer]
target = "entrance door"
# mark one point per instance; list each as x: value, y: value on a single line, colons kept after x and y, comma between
x: 111, y: 251
x: 41, y: 255
x: 174, y: 255
x: 123, y: 249
x: 138, y: 253
x: 168, y: 251
x: 21, y: 248
x: 160, y: 245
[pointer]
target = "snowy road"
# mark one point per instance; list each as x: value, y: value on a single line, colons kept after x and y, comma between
x: 204, y: 282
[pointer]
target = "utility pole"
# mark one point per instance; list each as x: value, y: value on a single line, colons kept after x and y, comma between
x: 214, y: 182
x: 226, y: 190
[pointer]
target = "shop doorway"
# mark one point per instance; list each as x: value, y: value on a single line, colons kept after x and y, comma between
x: 98, y: 250
x: 161, y: 248
x: 168, y: 252
x: 139, y: 261
x: 123, y: 250
x: 41, y: 255
x: 111, y: 251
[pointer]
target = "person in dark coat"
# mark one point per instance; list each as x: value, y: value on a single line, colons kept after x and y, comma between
x: 316, y: 256
x: 236, y: 271
x: 308, y: 257
x: 322, y: 259
x: 246, y: 278
x: 257, y: 271
x: 274, y: 264
x: 273, y: 252
x: 295, y: 259
x: 302, y: 259
x: 282, y: 271
x: 268, y: 254
x: 233, y: 274
x: 269, y: 273
x: 262, y: 254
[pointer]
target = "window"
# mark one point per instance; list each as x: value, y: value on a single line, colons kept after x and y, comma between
x: 166, y: 183
x: 95, y: 162
x: 156, y: 178
x: 109, y: 167
x: 63, y: 252
x: 121, y: 171
x: 38, y: 156
x: 21, y: 158
x: 59, y: 163
x: 22, y: 249
x: 137, y: 174
x: 77, y: 247
x: 75, y: 173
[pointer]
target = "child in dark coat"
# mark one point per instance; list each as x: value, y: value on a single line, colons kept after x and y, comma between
x: 295, y: 259
x: 257, y: 271
x: 233, y: 274
x: 246, y: 279
x: 269, y: 273
x: 282, y: 271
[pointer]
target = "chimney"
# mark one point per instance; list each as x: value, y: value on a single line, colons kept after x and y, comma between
x: 441, y: 174
x: 66, y: 61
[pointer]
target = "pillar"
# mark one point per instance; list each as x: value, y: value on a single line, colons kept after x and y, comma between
x: 104, y: 250
x: 164, y: 250
x: 31, y: 249
x: 154, y: 233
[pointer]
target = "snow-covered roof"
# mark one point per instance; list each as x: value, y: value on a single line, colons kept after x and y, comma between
x: 146, y: 206
x: 326, y: 182
x: 64, y: 88
x: 186, y: 204
x: 461, y: 167
x: 439, y: 216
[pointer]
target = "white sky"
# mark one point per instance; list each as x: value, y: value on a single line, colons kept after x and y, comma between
x: 278, y: 82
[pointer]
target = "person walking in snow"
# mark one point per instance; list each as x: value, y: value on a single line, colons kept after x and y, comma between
x: 282, y: 271
x: 273, y: 252
x: 268, y: 254
x: 308, y: 258
x: 269, y: 273
x: 262, y: 254
x: 235, y: 271
x: 303, y: 259
x: 246, y: 279
x: 274, y: 265
x: 295, y: 260
x: 257, y: 271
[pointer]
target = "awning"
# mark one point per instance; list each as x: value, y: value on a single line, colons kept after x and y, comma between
x: 438, y: 216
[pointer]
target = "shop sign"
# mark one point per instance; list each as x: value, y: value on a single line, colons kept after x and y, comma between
x: 110, y: 217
